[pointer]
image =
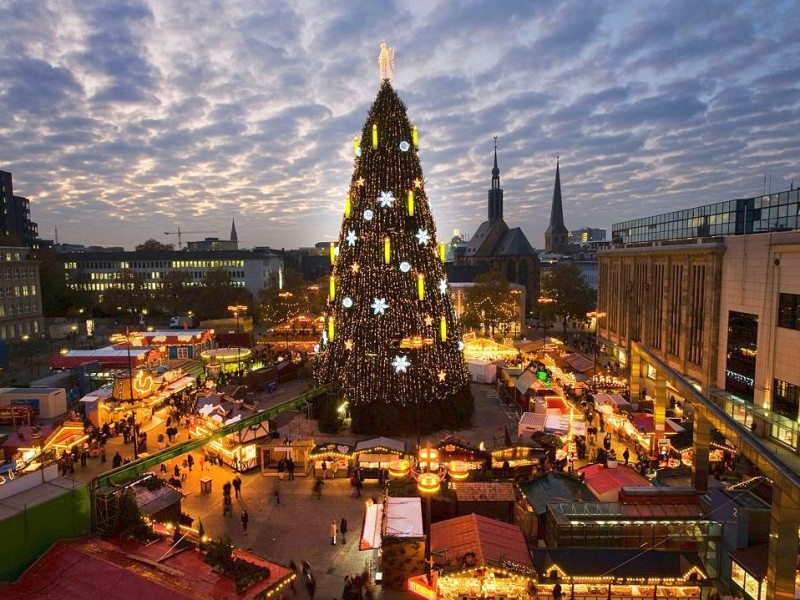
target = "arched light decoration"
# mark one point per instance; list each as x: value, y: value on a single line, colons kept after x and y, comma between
x: 356, y: 144
x: 333, y: 253
x: 347, y: 206
x: 442, y: 251
x: 428, y: 483
x: 410, y: 203
x: 399, y: 468
x: 387, y: 250
x: 428, y: 458
x: 421, y: 286
x: 443, y: 329
x: 374, y: 136
x: 332, y: 287
x: 458, y: 470
x: 415, y: 137
x: 331, y: 329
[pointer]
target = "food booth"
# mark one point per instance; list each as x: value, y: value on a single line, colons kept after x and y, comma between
x: 372, y: 457
x: 275, y: 450
x: 452, y: 449
x: 238, y: 449
x: 629, y: 574
x: 338, y: 458
x: 479, y: 557
x: 519, y: 458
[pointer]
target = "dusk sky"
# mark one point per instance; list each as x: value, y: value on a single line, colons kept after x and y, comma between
x: 121, y: 120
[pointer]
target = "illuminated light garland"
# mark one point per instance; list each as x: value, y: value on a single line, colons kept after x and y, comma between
x: 410, y: 203
x: 374, y: 136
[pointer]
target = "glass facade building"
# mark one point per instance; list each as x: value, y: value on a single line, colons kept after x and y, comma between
x: 771, y: 212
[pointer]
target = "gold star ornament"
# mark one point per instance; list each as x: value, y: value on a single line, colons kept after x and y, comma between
x: 360, y: 182
x: 429, y: 320
x: 442, y: 375
x: 348, y: 344
x: 354, y: 267
x: 418, y: 183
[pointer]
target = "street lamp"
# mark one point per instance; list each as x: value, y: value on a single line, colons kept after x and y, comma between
x: 73, y: 331
x: 429, y: 474
x: 236, y: 309
x: 543, y: 302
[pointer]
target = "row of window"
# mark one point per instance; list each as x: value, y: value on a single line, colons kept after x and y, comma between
x: 18, y: 273
x: 16, y: 330
x: 115, y: 265
x: 20, y: 308
x: 17, y: 291
x: 147, y: 285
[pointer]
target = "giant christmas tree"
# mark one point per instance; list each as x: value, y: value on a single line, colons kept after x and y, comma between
x: 391, y: 339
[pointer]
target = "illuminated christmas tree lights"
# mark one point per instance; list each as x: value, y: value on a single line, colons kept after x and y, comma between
x: 396, y: 346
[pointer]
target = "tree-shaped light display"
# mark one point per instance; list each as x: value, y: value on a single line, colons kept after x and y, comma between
x: 391, y: 339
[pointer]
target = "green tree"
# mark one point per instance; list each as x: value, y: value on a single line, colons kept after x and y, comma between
x: 154, y: 246
x: 489, y: 303
x: 298, y: 296
x: 57, y: 298
x: 571, y: 296
x: 173, y: 297
x: 217, y: 293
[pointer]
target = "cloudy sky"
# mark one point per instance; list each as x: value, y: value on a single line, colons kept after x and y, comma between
x: 123, y: 119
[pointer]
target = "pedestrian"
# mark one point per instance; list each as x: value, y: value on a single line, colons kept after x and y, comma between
x: 324, y: 469
x: 317, y: 489
x: 334, y: 528
x: 190, y: 461
x: 237, y: 486
x: 276, y: 491
x: 359, y: 486
x: 84, y: 456
x: 293, y: 567
x: 202, y: 462
x: 117, y: 460
x: 557, y: 591
x: 245, y: 518
x: 226, y: 489
x: 626, y: 455
x: 290, y: 468
x: 103, y: 453
x: 163, y: 469
x: 227, y: 506
x: 343, y: 529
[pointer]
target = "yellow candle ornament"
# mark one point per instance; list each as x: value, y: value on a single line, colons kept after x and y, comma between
x: 347, y: 206
x: 374, y: 136
x: 442, y: 252
x: 331, y: 329
x: 333, y: 288
x: 443, y: 329
x: 387, y: 250
x: 410, y: 203
x: 333, y: 253
x: 356, y: 144
x: 421, y: 286
x: 415, y: 137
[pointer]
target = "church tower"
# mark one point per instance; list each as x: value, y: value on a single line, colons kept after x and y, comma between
x: 496, y: 192
x: 556, y: 236
x: 234, y: 237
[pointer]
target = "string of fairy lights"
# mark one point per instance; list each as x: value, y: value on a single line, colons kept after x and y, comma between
x: 391, y: 334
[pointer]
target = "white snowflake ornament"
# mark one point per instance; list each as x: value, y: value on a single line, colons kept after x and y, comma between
x: 351, y: 237
x: 423, y: 237
x: 386, y: 199
x: 379, y: 306
x: 401, y: 363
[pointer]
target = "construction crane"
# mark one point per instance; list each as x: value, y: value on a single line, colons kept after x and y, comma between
x: 179, y: 233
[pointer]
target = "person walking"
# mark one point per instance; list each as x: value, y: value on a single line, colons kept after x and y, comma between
x: 237, y: 486
x: 227, y: 506
x: 290, y: 468
x: 245, y: 518
x: 626, y: 455
x: 324, y: 468
x: 334, y: 528
x: 343, y: 530
x: 190, y: 461
x: 317, y: 489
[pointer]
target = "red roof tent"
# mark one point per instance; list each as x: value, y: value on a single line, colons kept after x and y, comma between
x: 94, y: 568
x: 110, y: 356
x: 21, y: 438
x: 491, y: 540
x: 605, y: 483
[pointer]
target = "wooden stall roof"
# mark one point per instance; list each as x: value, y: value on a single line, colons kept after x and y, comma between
x: 616, y: 563
x: 380, y: 443
x: 485, y: 491
x: 491, y: 540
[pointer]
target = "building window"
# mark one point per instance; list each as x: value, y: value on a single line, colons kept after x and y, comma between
x: 786, y: 399
x: 789, y: 311
x: 740, y: 368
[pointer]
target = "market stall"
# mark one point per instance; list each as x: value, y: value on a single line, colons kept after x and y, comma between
x: 338, y: 459
x: 239, y: 449
x: 372, y: 457
x: 480, y: 557
x: 518, y: 459
x: 616, y: 573
x: 274, y: 451
x: 611, y: 403
x: 452, y: 449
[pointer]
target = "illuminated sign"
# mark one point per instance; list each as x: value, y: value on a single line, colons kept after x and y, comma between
x: 419, y: 586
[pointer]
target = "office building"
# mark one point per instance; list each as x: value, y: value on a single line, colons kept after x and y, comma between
x: 15, y: 214
x: 20, y: 295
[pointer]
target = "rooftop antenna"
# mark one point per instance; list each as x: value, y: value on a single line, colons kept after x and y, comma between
x: 56, y: 235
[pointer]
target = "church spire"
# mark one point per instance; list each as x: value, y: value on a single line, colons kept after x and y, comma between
x: 496, y: 192
x: 234, y: 237
x: 555, y: 237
